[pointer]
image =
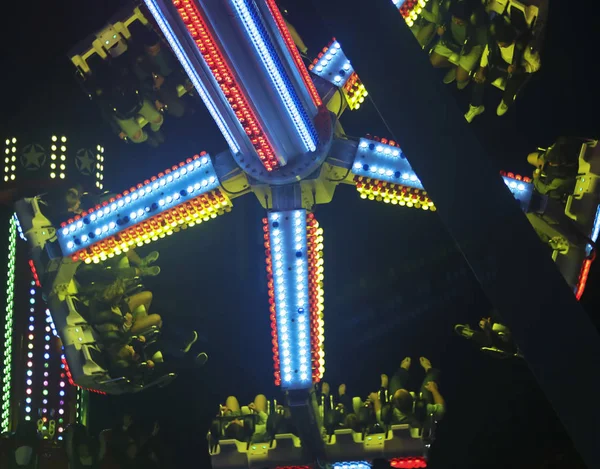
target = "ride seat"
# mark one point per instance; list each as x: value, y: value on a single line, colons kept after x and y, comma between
x: 519, y: 14
x: 141, y: 120
x: 41, y: 230
x: 374, y: 442
x: 104, y: 39
x: 589, y: 170
x: 285, y: 441
x: 94, y: 360
x: 522, y: 17
x: 343, y: 436
x: 77, y: 336
x: 401, y: 431
x: 231, y: 446
x: 587, y: 182
x: 74, y: 318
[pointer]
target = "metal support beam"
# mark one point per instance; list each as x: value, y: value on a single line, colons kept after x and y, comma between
x: 555, y: 334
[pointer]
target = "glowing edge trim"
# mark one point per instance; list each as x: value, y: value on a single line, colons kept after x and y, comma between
x: 8, y: 325
x: 595, y: 231
x: 21, y: 235
x: 293, y: 51
x: 197, y: 82
x: 271, y: 63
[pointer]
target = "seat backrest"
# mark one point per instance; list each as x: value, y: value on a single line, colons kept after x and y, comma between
x: 522, y: 17
x: 344, y: 436
x: 41, y: 229
x: 77, y: 336
x: 94, y: 360
x: 74, y: 318
x: 229, y: 454
x: 401, y: 431
x: 287, y: 440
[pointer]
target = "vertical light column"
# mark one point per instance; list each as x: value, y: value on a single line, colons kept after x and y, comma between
x: 30, y: 371
x: 287, y: 260
x: 63, y: 158
x: 82, y: 404
x: 10, y: 159
x: 45, y: 358
x: 58, y: 157
x: 61, y: 383
x: 316, y: 296
x: 99, y: 167
x: 8, y: 326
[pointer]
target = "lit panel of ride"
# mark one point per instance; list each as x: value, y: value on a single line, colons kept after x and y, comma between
x: 187, y: 193
x: 521, y: 187
x: 332, y: 65
x: 293, y: 242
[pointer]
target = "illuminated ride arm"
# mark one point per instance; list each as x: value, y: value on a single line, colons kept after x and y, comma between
x: 180, y: 197
x: 245, y: 66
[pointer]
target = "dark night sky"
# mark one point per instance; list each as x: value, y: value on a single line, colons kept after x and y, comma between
x: 395, y: 284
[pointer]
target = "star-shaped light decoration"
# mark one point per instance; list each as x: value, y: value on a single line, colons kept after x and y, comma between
x: 84, y: 160
x: 33, y: 157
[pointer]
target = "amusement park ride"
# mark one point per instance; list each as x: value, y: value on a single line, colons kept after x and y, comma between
x: 280, y: 120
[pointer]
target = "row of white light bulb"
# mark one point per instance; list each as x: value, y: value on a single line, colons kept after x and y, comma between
x: 515, y: 185
x: 19, y: 228
x: 278, y: 79
x: 301, y: 302
x: 385, y: 149
x: 352, y: 465
x: 387, y: 172
x: 144, y: 191
x: 133, y: 215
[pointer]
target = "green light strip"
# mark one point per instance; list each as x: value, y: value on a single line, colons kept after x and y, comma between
x: 8, y: 329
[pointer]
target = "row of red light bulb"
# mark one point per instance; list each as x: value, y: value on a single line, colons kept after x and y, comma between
x: 272, y: 307
x: 215, y: 60
x: 293, y: 50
